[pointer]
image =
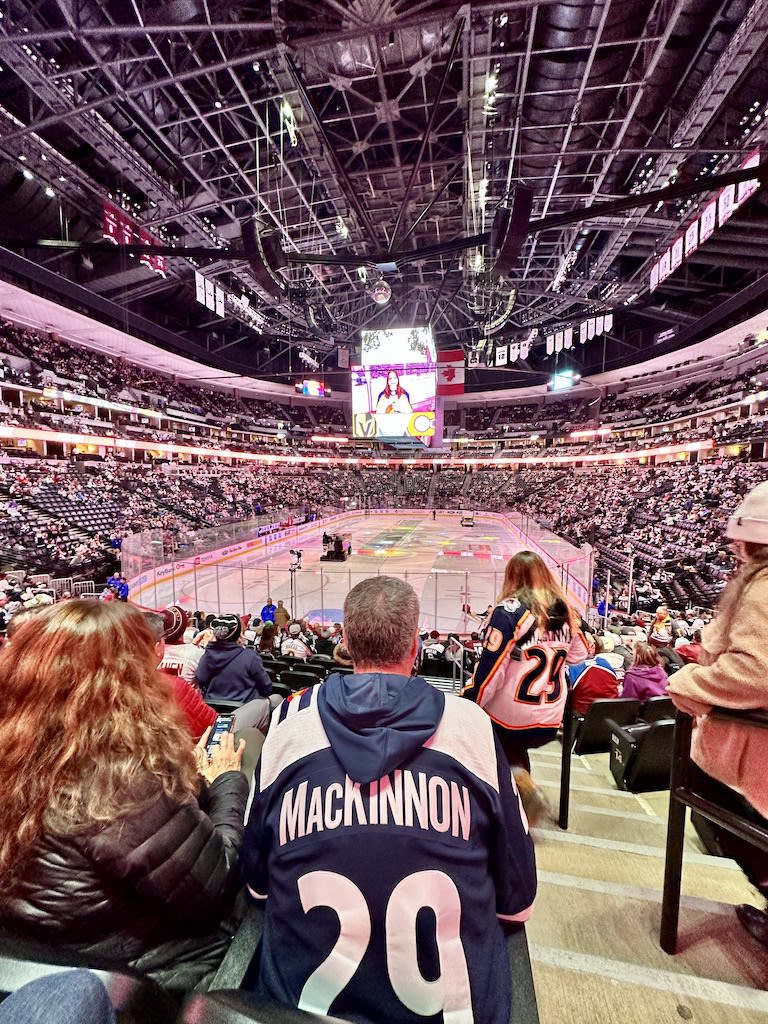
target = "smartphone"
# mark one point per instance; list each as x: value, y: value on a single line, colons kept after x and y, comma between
x: 222, y: 724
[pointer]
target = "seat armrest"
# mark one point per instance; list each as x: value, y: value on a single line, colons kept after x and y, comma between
x: 230, y: 1006
x: 629, y: 733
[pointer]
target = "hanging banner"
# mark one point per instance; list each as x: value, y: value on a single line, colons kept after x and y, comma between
x: 707, y: 221
x: 145, y: 239
x: 748, y: 188
x: 125, y: 228
x: 655, y: 276
x: 726, y: 204
x: 568, y: 337
x: 665, y: 266
x: 550, y: 344
x: 501, y: 355
x: 109, y: 223
x: 676, y: 253
x: 219, y: 302
x: 692, y: 238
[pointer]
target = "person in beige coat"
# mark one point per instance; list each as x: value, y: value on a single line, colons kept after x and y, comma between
x: 733, y: 673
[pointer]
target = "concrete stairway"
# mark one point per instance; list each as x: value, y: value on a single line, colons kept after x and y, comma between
x: 594, y: 929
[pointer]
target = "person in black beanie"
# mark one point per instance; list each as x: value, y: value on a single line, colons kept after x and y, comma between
x: 229, y: 671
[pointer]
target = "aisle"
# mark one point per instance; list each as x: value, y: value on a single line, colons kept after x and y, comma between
x: 594, y: 930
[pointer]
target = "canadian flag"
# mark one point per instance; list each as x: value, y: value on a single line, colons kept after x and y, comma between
x: 450, y: 372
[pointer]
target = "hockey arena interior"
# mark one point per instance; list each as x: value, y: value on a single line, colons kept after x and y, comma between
x: 384, y: 511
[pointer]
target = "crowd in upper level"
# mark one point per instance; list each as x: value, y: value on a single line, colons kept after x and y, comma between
x: 191, y: 413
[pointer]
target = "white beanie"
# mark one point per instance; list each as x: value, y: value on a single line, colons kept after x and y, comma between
x: 750, y: 520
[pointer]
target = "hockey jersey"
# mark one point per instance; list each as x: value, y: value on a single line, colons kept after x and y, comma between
x: 520, y: 678
x: 181, y: 660
x: 388, y: 836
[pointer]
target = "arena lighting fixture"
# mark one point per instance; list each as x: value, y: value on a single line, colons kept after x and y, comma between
x: 334, y: 438
x: 380, y: 292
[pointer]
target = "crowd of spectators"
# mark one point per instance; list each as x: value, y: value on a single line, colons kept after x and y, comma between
x: 70, y: 519
x: 194, y: 414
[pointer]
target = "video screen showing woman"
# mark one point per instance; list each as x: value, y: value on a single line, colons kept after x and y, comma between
x: 394, y: 398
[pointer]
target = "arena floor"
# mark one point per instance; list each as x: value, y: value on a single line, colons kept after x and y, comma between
x: 448, y: 565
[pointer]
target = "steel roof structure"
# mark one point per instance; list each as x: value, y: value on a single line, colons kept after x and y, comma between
x: 383, y: 126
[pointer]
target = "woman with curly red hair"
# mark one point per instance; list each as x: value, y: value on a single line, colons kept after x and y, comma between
x: 111, y: 843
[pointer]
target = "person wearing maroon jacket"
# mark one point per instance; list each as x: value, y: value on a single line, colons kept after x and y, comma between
x: 691, y: 652
x: 165, y: 624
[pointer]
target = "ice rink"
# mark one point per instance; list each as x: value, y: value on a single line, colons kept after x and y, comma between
x: 447, y: 564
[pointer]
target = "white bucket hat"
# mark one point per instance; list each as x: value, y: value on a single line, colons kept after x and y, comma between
x: 750, y: 520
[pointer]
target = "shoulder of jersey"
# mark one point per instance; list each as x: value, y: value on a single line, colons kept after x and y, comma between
x: 511, y: 606
x: 465, y: 734
x: 295, y: 732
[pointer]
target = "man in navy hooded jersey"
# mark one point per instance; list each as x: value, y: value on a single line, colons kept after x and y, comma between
x: 388, y: 836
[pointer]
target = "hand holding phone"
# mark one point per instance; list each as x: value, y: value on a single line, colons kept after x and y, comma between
x: 215, y: 758
x: 222, y: 725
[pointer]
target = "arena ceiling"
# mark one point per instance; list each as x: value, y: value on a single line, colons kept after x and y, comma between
x: 385, y: 126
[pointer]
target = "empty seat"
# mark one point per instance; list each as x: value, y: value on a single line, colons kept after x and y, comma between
x: 657, y: 709
x: 222, y: 706
x: 297, y: 680
x: 592, y: 731
x: 641, y: 755
x: 321, y: 671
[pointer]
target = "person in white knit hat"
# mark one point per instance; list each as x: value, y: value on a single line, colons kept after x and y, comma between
x: 733, y: 673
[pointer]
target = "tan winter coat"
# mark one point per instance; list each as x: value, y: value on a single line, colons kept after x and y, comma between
x: 733, y: 673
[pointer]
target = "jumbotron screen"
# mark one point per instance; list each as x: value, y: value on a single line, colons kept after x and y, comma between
x: 393, y: 388
x: 393, y: 401
x: 400, y: 346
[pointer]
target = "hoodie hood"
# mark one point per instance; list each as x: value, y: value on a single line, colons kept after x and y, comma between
x: 220, y: 653
x: 375, y: 721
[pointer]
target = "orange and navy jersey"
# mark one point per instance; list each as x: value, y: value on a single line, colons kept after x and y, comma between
x: 520, y: 678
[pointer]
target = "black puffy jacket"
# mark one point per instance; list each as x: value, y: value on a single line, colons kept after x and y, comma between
x: 150, y: 889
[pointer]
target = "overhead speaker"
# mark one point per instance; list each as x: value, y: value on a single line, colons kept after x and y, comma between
x: 266, y: 258
x: 510, y: 230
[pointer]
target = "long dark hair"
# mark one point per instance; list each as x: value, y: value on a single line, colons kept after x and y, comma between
x: 267, y: 638
x: 528, y: 578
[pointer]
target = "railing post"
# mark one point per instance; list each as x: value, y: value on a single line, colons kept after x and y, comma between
x: 565, y: 764
x: 673, y: 859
